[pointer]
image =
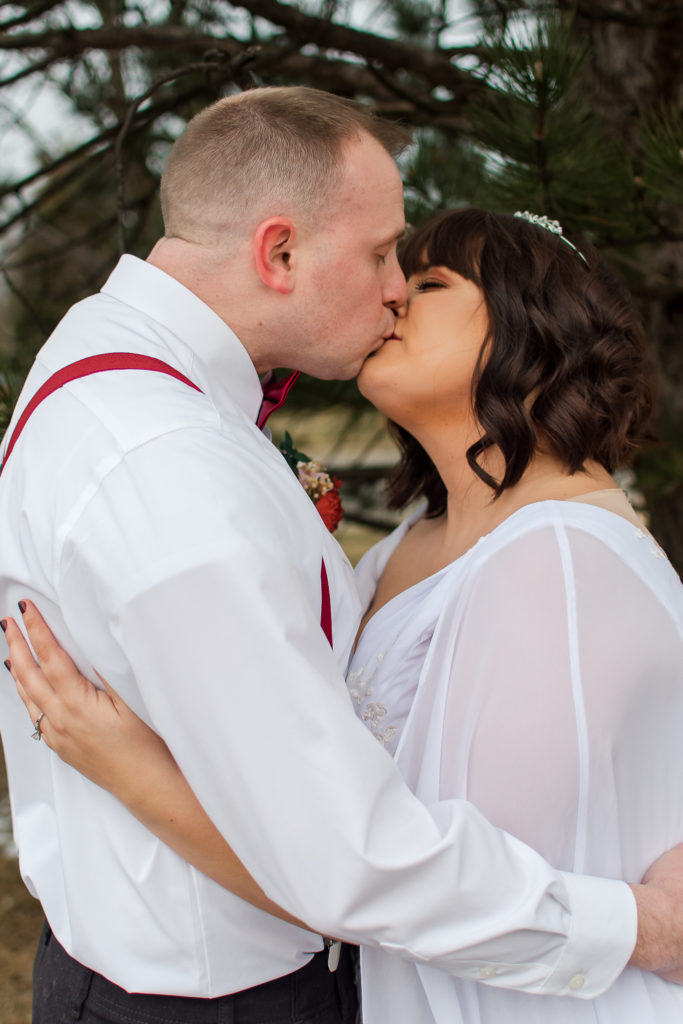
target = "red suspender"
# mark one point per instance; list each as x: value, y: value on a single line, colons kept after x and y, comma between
x: 134, y: 361
x: 83, y: 368
x: 326, y: 604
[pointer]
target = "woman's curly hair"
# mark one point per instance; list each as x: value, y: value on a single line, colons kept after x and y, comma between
x: 564, y: 363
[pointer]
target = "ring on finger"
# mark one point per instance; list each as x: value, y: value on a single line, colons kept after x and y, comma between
x: 37, y: 734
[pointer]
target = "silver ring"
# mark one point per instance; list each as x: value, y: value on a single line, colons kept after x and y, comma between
x: 36, y: 735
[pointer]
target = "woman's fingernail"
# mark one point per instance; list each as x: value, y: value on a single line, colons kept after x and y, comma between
x: 8, y: 664
x: 22, y: 607
x: 3, y: 625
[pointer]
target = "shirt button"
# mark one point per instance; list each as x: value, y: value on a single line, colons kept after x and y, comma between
x: 487, y: 972
x: 577, y: 982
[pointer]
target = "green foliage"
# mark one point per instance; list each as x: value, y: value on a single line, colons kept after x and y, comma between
x: 660, y: 469
x: 441, y: 173
x: 548, y: 148
x: 291, y: 455
x: 662, y: 155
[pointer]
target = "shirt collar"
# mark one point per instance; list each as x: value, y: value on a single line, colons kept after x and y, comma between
x: 209, y: 352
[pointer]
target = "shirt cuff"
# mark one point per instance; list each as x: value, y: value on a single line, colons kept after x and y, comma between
x: 602, y: 936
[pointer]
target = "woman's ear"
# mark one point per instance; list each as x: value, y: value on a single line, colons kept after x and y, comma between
x: 273, y: 253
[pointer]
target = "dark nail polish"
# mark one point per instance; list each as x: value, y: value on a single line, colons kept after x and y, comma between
x: 8, y: 664
x: 3, y: 625
x: 22, y: 607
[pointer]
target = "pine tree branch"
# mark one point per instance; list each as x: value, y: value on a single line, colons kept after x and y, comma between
x: 30, y: 69
x: 421, y: 101
x: 30, y: 14
x: 435, y: 67
x: 393, y: 54
x: 334, y: 75
x: 49, y: 169
x: 654, y: 17
x: 103, y: 141
x: 45, y: 256
x: 228, y: 70
x: 72, y: 42
x: 26, y: 303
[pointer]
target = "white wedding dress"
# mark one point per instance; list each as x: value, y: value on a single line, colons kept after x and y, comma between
x: 540, y: 676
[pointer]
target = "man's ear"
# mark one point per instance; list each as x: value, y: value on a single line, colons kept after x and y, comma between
x: 273, y: 245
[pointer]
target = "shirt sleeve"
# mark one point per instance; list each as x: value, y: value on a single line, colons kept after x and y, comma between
x: 219, y: 647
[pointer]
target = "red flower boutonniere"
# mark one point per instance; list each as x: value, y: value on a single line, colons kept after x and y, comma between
x: 322, y: 489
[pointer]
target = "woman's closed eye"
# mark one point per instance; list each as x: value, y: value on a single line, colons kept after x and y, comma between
x: 427, y: 283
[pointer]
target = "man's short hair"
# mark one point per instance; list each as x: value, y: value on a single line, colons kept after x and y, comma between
x: 263, y: 152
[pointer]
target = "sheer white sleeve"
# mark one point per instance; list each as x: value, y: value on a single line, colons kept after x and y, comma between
x: 564, y: 705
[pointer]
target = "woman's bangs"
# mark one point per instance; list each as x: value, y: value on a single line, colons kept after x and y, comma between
x: 453, y: 241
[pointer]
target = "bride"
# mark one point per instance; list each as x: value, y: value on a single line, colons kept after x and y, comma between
x: 522, y: 642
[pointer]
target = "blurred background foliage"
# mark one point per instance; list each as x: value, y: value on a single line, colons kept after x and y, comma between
x: 570, y: 108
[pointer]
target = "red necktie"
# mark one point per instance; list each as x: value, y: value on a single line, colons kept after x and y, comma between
x: 274, y: 395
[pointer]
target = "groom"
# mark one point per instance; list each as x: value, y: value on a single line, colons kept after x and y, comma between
x: 169, y: 545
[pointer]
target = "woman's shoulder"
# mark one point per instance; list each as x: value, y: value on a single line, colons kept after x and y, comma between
x: 542, y: 521
x: 566, y: 537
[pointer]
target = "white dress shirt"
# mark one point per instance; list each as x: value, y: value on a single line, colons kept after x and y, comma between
x: 540, y: 675
x: 171, y: 547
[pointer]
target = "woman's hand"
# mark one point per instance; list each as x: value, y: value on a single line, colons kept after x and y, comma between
x: 93, y: 730
x: 97, y: 734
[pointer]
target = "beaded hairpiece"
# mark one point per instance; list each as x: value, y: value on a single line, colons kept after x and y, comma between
x: 554, y: 226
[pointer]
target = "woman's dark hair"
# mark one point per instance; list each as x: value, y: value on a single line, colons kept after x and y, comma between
x: 564, y: 362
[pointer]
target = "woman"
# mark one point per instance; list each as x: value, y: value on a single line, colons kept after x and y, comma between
x: 522, y: 645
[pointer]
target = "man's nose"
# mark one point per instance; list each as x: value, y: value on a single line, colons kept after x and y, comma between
x: 395, y: 290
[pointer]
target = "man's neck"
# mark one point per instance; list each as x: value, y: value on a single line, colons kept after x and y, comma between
x: 223, y: 282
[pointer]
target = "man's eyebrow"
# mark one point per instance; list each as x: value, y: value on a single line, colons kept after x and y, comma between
x: 396, y: 237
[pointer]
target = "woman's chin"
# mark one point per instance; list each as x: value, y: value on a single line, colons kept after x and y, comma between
x: 386, y: 404
x: 368, y: 380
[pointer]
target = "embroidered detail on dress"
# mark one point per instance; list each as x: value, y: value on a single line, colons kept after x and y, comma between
x: 372, y: 712
x: 353, y: 682
x: 371, y: 715
x: 655, y: 550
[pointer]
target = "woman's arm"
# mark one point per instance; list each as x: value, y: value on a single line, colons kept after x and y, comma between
x: 547, y: 723
x: 97, y: 734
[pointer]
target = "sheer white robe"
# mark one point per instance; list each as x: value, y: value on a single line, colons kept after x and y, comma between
x: 540, y: 676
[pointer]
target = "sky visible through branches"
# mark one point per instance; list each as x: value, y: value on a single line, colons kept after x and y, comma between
x: 36, y: 120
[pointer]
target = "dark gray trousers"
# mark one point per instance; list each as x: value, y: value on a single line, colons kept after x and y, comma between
x: 65, y: 991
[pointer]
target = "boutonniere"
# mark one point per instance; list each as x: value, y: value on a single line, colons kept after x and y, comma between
x: 322, y: 489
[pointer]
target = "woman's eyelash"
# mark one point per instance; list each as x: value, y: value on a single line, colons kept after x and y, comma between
x: 422, y: 286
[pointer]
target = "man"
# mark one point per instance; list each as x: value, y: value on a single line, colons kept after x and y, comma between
x: 170, y: 546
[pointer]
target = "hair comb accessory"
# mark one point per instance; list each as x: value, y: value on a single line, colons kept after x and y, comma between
x: 554, y: 226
